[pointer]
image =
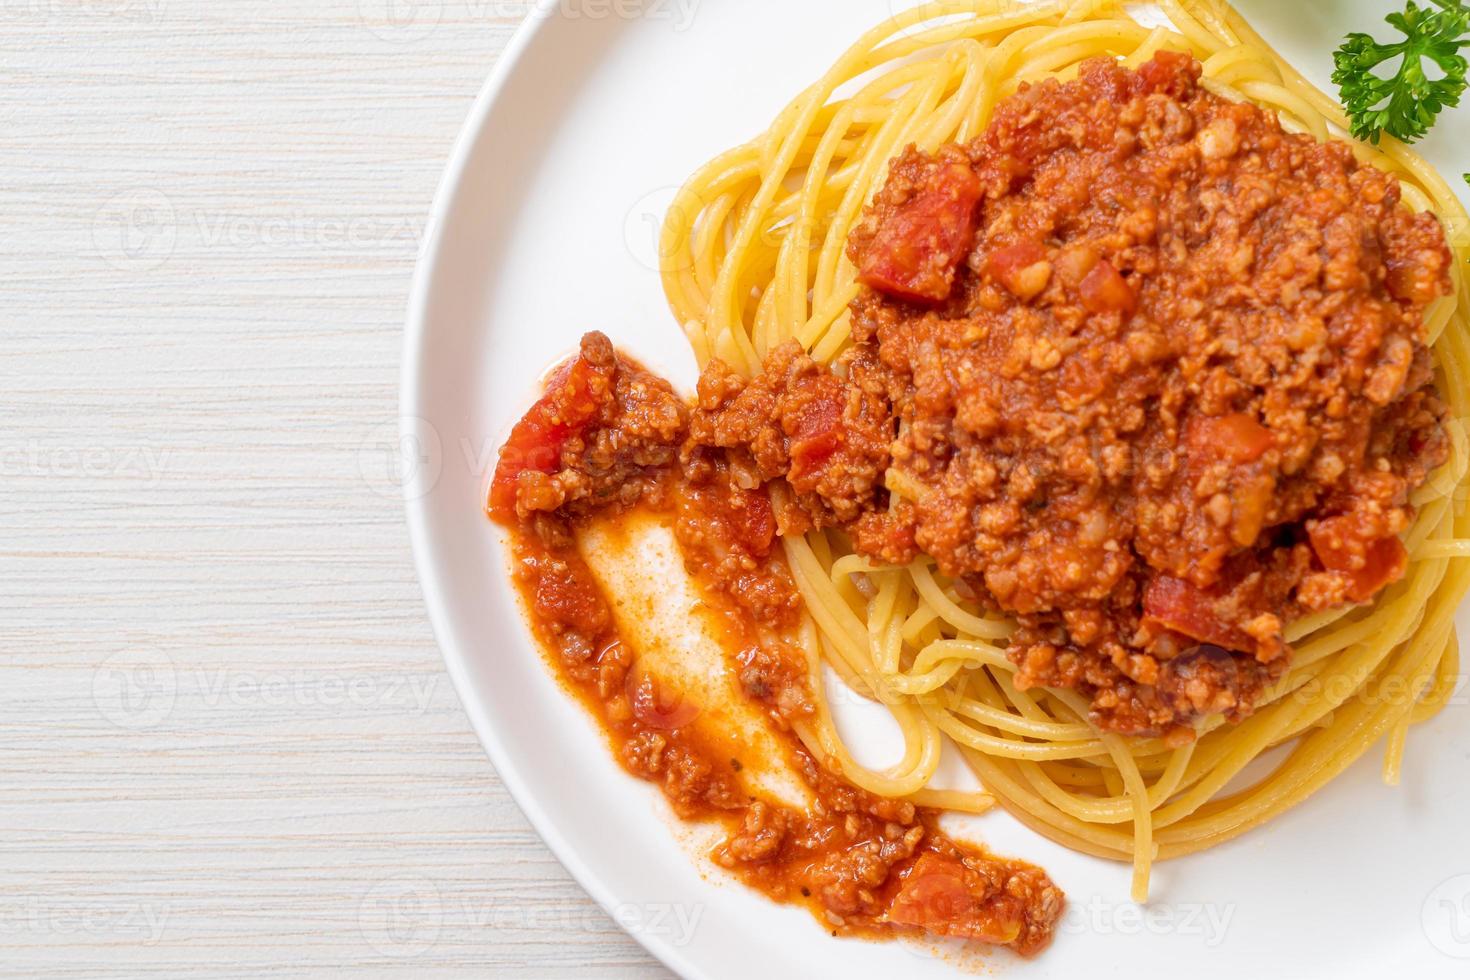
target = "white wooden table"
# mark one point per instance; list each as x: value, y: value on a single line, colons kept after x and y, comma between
x: 227, y: 746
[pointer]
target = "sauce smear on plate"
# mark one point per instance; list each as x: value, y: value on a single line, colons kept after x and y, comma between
x: 862, y: 864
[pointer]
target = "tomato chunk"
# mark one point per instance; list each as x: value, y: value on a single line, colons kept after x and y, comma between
x: 1022, y: 268
x: 1178, y: 605
x: 943, y: 897
x: 1168, y: 71
x: 1344, y: 545
x: 571, y: 403
x: 816, y: 432
x: 1104, y: 290
x: 1237, y: 437
x: 752, y: 521
x: 922, y: 241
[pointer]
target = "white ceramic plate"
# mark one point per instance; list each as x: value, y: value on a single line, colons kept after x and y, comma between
x: 544, y: 228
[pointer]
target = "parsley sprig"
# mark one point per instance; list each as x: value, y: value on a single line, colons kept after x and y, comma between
x: 1405, y: 104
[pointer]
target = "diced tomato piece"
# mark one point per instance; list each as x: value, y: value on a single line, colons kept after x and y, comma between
x: 1022, y: 268
x: 943, y: 897
x: 1370, y: 563
x: 920, y: 244
x: 1340, y: 542
x: 816, y: 431
x: 535, y: 443
x: 1104, y: 290
x: 1237, y: 437
x: 1169, y: 72
x: 752, y: 521
x: 1178, y: 605
x: 1385, y: 564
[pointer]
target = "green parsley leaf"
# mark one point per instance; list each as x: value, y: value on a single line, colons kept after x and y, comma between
x: 1405, y: 104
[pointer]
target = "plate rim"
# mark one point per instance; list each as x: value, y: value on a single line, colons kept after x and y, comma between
x: 426, y: 556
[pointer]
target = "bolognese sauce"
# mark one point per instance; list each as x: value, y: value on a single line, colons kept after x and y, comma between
x: 1169, y: 390
x: 601, y: 442
x: 1135, y: 367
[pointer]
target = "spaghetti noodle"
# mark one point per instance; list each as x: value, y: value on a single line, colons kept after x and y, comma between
x: 754, y: 255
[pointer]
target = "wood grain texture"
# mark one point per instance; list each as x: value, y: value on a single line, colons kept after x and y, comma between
x: 227, y: 745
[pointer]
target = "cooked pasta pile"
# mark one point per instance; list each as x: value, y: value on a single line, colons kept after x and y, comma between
x: 754, y: 255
